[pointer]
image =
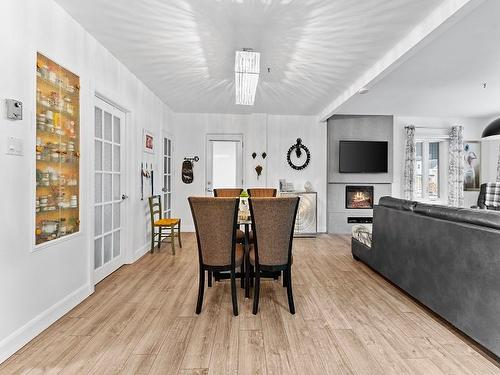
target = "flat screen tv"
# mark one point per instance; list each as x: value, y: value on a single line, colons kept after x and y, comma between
x: 363, y: 157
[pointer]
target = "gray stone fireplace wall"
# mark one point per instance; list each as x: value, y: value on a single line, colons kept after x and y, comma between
x: 355, y: 128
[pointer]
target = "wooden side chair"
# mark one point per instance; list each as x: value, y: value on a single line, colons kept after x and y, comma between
x: 215, y: 222
x: 159, y: 224
x: 273, y: 224
x: 227, y: 193
x: 262, y: 192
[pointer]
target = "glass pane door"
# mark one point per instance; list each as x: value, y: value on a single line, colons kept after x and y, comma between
x: 167, y: 177
x: 107, y: 190
x: 224, y: 164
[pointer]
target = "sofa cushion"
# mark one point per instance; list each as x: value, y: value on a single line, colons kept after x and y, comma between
x: 485, y: 218
x: 399, y: 204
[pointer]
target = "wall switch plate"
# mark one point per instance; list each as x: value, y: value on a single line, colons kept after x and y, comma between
x: 14, y: 109
x: 15, y: 146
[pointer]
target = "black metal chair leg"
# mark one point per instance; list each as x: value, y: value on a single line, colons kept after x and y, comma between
x: 252, y: 274
x: 201, y: 289
x: 289, y: 292
x: 209, y: 279
x: 242, y: 274
x: 256, y: 292
x: 247, y: 277
x: 159, y: 237
x: 233, y: 292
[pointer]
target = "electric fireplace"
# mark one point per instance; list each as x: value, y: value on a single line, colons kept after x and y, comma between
x: 359, y: 197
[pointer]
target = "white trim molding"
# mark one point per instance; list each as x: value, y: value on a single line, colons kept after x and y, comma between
x: 26, y: 333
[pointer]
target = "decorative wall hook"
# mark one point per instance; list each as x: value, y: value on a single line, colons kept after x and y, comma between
x: 264, y: 155
x: 194, y: 158
x: 254, y: 155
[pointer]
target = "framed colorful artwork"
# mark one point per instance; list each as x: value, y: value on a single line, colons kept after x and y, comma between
x: 148, y: 141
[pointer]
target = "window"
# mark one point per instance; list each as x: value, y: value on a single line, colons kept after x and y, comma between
x: 427, y: 174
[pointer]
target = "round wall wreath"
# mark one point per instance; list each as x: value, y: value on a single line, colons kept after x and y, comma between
x: 299, y: 149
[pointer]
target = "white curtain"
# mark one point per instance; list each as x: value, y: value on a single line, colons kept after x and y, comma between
x: 410, y: 160
x: 456, y: 167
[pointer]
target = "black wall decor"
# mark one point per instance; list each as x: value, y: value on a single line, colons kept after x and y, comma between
x: 187, y: 169
x: 299, y: 150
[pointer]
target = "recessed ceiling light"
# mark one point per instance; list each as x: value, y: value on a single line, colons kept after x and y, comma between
x: 363, y: 90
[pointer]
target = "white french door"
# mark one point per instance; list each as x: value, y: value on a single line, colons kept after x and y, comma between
x: 167, y: 177
x: 224, y: 161
x: 108, y: 187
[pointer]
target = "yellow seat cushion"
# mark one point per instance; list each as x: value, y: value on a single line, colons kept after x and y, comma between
x: 166, y: 222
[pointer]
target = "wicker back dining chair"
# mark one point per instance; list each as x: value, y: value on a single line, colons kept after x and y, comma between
x: 262, y: 192
x: 215, y: 222
x: 273, y: 222
x: 227, y: 193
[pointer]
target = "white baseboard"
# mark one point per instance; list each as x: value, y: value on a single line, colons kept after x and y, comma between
x: 34, y: 327
x: 30, y: 330
x: 188, y: 228
x: 139, y: 253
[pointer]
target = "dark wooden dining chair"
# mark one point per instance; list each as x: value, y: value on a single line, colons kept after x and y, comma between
x: 262, y: 192
x: 227, y: 193
x: 215, y: 222
x: 273, y: 222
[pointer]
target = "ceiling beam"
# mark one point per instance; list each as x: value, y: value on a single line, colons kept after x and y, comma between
x: 443, y: 17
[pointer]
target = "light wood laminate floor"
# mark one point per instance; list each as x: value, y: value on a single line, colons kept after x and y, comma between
x: 349, y: 320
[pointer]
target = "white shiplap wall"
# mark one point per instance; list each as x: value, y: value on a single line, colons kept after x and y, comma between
x: 261, y: 132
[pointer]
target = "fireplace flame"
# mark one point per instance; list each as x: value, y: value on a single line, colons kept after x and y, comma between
x: 359, y: 199
x: 359, y: 196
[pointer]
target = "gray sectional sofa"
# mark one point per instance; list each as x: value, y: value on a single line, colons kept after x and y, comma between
x: 446, y: 258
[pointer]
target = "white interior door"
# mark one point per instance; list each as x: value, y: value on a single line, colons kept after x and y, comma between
x: 224, y: 161
x: 167, y: 177
x: 108, y: 189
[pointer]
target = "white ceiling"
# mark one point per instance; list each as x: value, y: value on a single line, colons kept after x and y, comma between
x: 184, y: 49
x: 445, y: 77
